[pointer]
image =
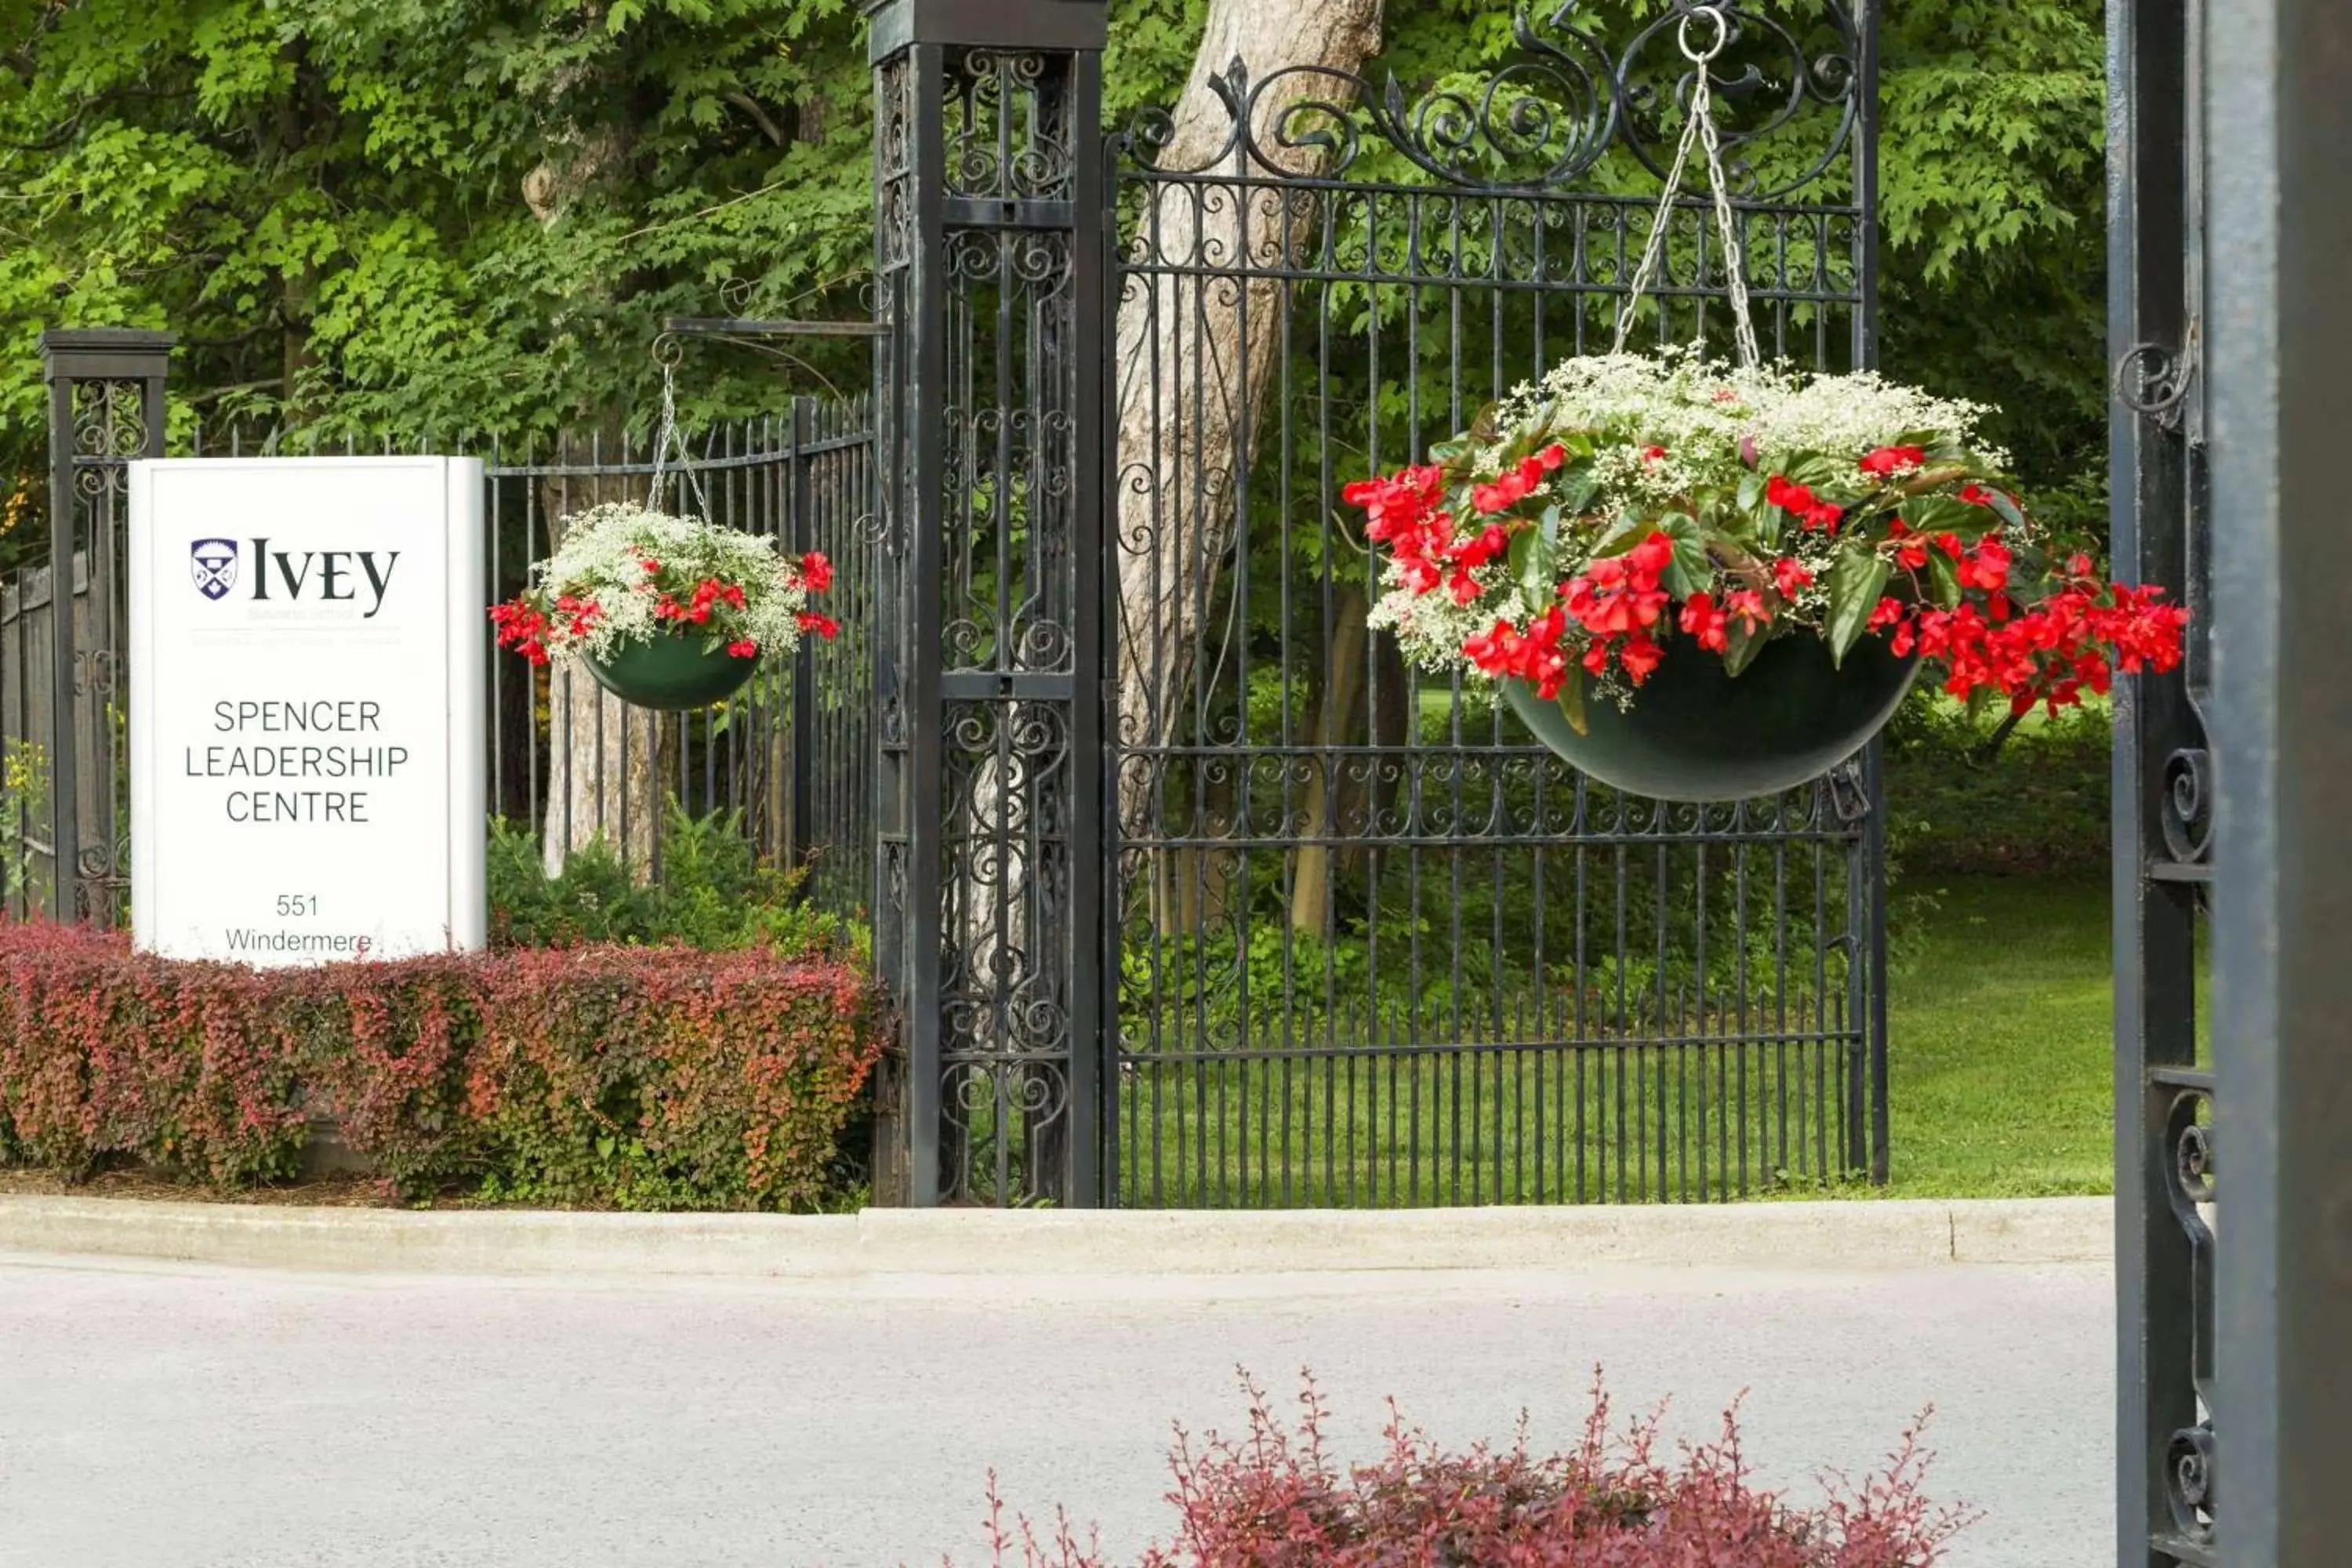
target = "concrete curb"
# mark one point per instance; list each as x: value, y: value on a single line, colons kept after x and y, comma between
x: 1862, y: 1235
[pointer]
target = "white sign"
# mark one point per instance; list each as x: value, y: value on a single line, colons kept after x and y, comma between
x: 306, y: 707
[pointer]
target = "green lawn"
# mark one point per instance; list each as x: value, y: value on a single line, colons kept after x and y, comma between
x: 2000, y: 1071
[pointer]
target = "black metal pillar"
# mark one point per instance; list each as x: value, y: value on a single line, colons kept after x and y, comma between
x: 2167, y: 1436
x: 106, y: 407
x: 991, y: 262
x: 2278, y: 107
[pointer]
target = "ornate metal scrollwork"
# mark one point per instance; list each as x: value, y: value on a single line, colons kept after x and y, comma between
x: 2187, y: 806
x: 2153, y: 381
x: 1544, y: 120
x: 2192, y: 1162
x: 2189, y: 1476
x: 2190, y: 1176
x: 1007, y: 136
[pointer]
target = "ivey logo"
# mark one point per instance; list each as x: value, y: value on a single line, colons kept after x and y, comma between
x: 336, y: 575
x: 213, y: 564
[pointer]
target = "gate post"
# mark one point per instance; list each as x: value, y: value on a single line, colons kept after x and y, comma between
x: 991, y: 262
x: 93, y: 435
x: 2279, y: 200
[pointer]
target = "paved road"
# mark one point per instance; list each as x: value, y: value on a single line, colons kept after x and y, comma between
x: 157, y: 1418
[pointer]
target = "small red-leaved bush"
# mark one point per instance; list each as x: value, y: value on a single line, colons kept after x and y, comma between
x: 1275, y: 1499
x: 643, y: 1077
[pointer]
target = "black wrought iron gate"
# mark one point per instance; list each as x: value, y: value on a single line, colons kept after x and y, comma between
x: 2164, y: 799
x: 2231, y: 325
x: 1192, y: 893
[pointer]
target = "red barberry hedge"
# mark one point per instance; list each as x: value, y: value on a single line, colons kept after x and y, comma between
x: 634, y: 1077
x: 1278, y: 1498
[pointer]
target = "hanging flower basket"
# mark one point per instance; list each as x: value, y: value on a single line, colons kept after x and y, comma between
x: 1699, y: 733
x: 671, y: 673
x: 1705, y: 582
x: 667, y: 613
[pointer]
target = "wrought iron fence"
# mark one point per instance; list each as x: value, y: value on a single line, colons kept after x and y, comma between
x: 1363, y: 940
x: 789, y: 761
x: 1187, y: 890
x: 64, y: 808
x: 1376, y: 944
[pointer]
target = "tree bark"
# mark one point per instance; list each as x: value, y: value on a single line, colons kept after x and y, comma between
x: 1193, y: 366
x: 603, y: 755
x: 1336, y: 707
x: 1196, y: 353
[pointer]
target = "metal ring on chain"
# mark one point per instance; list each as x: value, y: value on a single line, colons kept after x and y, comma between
x: 1722, y: 34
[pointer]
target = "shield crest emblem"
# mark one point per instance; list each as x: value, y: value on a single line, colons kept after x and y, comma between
x: 213, y: 564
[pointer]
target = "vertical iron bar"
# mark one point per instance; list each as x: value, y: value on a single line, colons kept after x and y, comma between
x: 800, y: 499
x: 2154, y: 922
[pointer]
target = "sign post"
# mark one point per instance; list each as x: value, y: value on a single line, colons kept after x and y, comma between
x: 307, y: 778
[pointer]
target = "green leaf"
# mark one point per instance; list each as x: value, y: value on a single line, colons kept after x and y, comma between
x: 1943, y: 578
x: 1745, y: 646
x: 1946, y: 514
x: 1752, y: 492
x: 2006, y: 509
x: 1575, y: 486
x: 1529, y: 561
x: 1691, y: 570
x: 1820, y: 473
x: 1623, y: 534
x: 1571, y: 701
x: 1856, y: 581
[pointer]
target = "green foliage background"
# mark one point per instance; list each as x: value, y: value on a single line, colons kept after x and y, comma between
x: 327, y: 198
x: 332, y: 203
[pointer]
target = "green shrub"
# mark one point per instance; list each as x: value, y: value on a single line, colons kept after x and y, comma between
x: 709, y: 891
x: 1963, y: 800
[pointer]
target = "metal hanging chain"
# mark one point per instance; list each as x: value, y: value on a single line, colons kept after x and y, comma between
x: 1699, y: 130
x: 666, y: 435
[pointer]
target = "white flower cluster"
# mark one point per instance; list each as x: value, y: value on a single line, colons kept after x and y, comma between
x: 1431, y: 628
x: 603, y: 558
x: 1670, y: 434
x: 1699, y: 416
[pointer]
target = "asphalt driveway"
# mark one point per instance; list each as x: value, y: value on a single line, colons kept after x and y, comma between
x: 155, y: 1417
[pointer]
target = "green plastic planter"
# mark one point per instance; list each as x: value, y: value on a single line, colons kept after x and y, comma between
x: 671, y: 673
x: 1696, y: 733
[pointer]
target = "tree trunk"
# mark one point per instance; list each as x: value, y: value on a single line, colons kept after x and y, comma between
x: 1366, y: 793
x: 1337, y: 709
x: 1194, y: 362
x: 603, y: 755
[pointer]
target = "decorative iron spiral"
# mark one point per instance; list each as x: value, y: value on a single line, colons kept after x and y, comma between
x: 1544, y: 121
x: 2190, y: 1481
x: 2186, y: 805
